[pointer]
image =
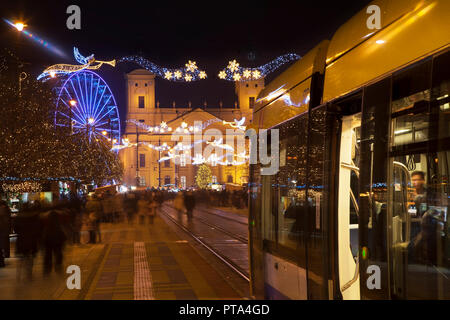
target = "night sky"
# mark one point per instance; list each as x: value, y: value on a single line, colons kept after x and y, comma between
x: 170, y: 33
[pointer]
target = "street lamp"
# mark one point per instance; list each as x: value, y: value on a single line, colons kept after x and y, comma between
x: 19, y: 26
x: 72, y: 103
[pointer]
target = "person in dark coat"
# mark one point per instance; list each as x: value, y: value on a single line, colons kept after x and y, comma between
x: 76, y: 218
x: 189, y: 203
x: 5, y: 228
x: 53, y: 241
x: 130, y: 206
x: 28, y: 228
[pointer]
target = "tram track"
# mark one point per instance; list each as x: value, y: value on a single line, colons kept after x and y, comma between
x: 220, y: 216
x: 221, y: 229
x: 225, y: 259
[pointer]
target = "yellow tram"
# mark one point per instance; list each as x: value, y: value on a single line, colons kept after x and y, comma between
x: 359, y: 206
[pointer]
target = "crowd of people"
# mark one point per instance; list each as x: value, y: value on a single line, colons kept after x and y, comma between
x: 48, y: 227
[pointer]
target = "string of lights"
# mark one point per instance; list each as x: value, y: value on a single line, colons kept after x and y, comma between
x: 234, y: 72
x: 163, y: 127
x: 187, y: 74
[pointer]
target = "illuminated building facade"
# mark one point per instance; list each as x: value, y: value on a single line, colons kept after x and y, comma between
x: 150, y: 129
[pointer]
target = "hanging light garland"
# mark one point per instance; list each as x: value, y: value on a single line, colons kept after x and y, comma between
x: 187, y: 74
x: 26, y: 186
x: 234, y: 72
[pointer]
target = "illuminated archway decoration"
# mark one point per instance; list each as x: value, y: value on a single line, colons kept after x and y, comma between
x: 234, y: 72
x: 64, y: 69
x: 189, y: 73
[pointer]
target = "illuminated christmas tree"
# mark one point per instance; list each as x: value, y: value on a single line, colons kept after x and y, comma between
x: 32, y: 147
x: 203, y: 177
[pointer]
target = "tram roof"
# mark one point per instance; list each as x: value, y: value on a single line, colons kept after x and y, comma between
x: 267, y: 108
x: 356, y: 55
x: 410, y: 30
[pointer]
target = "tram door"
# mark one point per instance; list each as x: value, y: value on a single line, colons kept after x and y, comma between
x: 348, y: 209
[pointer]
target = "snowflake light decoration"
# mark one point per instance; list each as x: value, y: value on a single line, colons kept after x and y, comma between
x: 187, y: 74
x: 234, y: 72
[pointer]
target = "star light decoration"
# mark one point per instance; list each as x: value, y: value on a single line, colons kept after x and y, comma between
x: 189, y: 73
x: 234, y: 72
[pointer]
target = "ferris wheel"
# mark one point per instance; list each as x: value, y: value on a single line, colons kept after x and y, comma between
x: 86, y: 104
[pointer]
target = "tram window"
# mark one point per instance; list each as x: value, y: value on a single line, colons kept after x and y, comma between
x: 441, y: 92
x: 291, y: 182
x: 411, y: 85
x: 283, y: 194
x: 420, y: 197
x: 410, y: 104
x: 288, y: 194
x: 420, y: 228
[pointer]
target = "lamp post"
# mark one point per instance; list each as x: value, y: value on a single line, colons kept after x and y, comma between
x: 159, y: 162
x: 22, y: 76
x: 138, y: 180
x: 72, y: 103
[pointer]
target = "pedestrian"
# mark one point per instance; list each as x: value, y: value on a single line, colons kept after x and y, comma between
x: 53, y: 240
x: 5, y: 228
x: 130, y: 206
x: 28, y: 228
x: 152, y: 206
x: 108, y: 207
x: 143, y: 208
x: 118, y: 207
x: 76, y: 215
x: 94, y: 215
x: 178, y: 204
x: 189, y: 203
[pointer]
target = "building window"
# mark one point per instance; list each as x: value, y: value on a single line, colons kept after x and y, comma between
x: 141, y: 120
x: 251, y: 102
x: 256, y: 85
x: 229, y: 159
x: 183, y: 160
x: 230, y: 178
x: 136, y: 84
x: 142, y: 160
x: 166, y: 180
x: 166, y: 162
x: 140, y: 181
x: 141, y: 102
x: 214, y: 179
x: 183, y: 182
x: 246, y: 85
x: 146, y: 84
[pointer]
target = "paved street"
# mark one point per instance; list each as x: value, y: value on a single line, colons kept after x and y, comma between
x: 132, y: 262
